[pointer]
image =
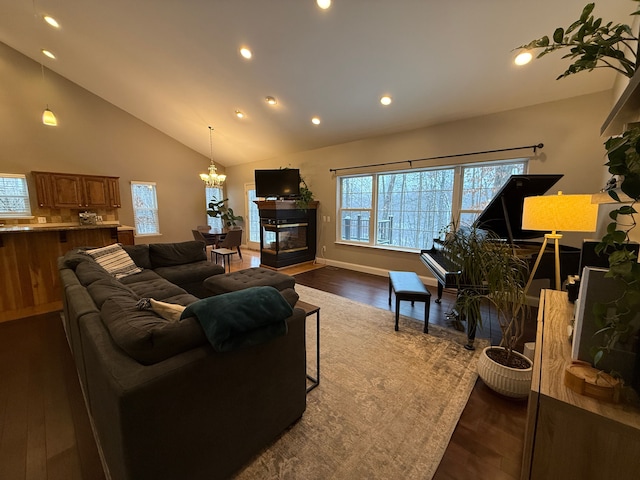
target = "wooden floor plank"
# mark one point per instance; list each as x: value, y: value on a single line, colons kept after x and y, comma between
x: 36, y: 462
x: 14, y: 374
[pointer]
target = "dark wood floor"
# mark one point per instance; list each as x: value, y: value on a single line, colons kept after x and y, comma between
x: 44, y: 427
x: 45, y: 432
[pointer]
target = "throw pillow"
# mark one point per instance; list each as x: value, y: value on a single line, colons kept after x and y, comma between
x: 168, y: 311
x: 114, y: 260
x: 242, y: 318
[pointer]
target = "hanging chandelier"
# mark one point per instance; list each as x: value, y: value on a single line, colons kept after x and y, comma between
x: 212, y: 179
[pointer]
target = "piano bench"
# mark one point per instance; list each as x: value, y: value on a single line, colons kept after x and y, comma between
x: 407, y: 286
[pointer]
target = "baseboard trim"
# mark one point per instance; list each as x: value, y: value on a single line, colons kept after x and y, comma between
x: 430, y: 281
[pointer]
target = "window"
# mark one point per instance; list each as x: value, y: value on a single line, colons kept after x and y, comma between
x: 412, y: 208
x: 214, y: 192
x: 145, y: 208
x: 14, y: 196
x: 253, y: 222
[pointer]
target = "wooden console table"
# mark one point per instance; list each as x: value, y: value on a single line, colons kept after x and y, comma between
x: 569, y: 435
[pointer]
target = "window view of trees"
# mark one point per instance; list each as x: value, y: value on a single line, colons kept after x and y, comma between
x: 210, y: 193
x: 145, y: 208
x: 357, y: 197
x: 480, y: 185
x: 14, y: 196
x: 412, y: 208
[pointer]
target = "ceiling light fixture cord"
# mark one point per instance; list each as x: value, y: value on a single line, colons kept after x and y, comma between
x: 48, y: 117
x: 212, y: 179
x: 410, y: 162
x: 211, y: 143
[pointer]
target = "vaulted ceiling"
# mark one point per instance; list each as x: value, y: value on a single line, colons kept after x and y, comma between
x: 176, y: 64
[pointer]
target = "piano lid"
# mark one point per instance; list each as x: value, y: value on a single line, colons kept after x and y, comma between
x: 503, y: 214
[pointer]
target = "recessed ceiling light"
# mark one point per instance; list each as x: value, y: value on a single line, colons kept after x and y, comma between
x: 324, y: 4
x: 51, y: 21
x: 239, y: 114
x: 246, y: 53
x: 315, y: 120
x: 523, y: 58
x: 385, y: 100
x: 48, y: 54
x: 270, y: 100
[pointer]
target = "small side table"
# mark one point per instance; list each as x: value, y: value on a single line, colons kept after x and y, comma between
x: 309, y: 310
x: 225, y: 253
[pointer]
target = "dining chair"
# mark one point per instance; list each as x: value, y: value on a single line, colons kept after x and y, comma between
x: 233, y: 239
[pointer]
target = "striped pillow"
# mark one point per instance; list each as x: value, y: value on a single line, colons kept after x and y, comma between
x: 114, y: 260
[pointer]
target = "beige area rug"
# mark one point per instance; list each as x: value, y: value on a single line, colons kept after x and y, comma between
x: 387, y: 402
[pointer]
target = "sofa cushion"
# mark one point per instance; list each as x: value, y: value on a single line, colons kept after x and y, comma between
x: 170, y: 254
x: 114, y: 260
x: 143, y: 276
x: 158, y: 288
x: 145, y: 336
x: 106, y: 288
x: 249, y: 277
x: 190, y: 272
x: 139, y: 254
x: 89, y: 272
x: 243, y: 318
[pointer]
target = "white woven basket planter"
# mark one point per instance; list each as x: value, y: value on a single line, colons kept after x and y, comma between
x: 511, y: 382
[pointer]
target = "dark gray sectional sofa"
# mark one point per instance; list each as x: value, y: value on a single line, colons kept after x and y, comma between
x: 164, y: 404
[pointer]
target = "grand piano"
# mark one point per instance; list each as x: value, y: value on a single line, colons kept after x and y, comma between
x: 503, y: 216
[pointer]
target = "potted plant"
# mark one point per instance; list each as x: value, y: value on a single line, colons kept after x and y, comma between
x: 219, y: 208
x: 306, y: 195
x: 596, y: 44
x: 492, y: 281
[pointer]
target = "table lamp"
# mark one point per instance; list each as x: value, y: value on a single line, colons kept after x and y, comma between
x: 567, y: 213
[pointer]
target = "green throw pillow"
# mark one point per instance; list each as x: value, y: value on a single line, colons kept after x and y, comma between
x: 242, y: 318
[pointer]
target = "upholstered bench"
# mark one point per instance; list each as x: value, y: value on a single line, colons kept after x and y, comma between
x: 250, y: 277
x: 407, y: 286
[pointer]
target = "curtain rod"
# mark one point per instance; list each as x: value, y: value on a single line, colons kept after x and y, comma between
x: 410, y: 162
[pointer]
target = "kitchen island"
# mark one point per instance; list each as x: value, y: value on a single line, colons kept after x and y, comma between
x: 28, y: 256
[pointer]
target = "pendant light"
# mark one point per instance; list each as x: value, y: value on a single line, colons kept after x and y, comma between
x: 212, y: 179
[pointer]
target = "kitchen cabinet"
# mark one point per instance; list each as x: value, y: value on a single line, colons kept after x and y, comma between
x: 43, y: 189
x: 114, y: 192
x: 67, y: 191
x: 96, y: 192
x: 62, y: 190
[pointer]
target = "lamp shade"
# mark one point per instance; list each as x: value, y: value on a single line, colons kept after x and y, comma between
x: 48, y: 118
x: 566, y: 213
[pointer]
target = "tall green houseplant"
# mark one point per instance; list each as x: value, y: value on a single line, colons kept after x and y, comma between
x: 492, y: 275
x: 219, y: 208
x: 592, y: 43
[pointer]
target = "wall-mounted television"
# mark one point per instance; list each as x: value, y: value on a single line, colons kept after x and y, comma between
x: 281, y: 183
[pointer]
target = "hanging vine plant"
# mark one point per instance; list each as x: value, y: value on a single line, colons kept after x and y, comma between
x: 592, y: 43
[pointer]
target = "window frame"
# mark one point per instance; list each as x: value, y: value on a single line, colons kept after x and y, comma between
x: 22, y: 214
x: 456, y: 201
x: 155, y: 210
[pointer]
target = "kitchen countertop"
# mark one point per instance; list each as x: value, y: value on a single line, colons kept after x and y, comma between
x: 45, y: 227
